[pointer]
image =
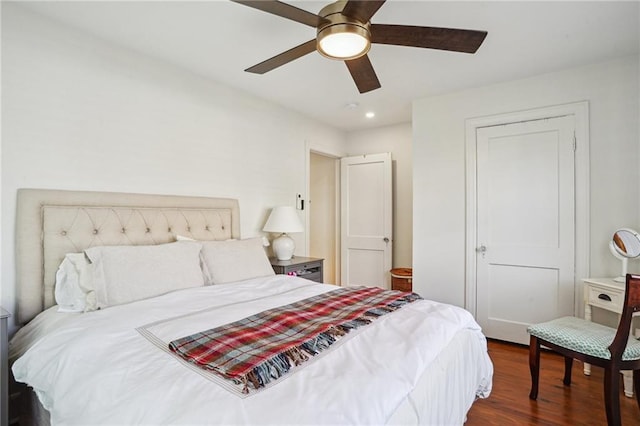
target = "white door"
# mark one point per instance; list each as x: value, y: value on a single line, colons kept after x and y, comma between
x: 525, y: 225
x: 366, y: 220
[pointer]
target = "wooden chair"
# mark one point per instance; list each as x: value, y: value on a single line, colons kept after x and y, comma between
x: 609, y: 348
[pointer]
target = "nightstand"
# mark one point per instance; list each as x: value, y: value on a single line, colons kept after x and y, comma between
x: 4, y: 366
x: 304, y: 267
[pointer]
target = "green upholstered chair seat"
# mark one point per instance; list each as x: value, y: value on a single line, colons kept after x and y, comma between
x: 583, y: 336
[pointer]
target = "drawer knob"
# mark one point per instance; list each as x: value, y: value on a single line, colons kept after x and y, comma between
x: 604, y: 297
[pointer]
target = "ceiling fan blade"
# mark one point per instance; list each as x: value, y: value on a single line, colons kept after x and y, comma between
x: 283, y: 58
x: 283, y: 10
x: 363, y: 74
x: 362, y: 10
x: 467, y: 41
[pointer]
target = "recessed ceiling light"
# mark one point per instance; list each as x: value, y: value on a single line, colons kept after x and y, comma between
x: 370, y: 114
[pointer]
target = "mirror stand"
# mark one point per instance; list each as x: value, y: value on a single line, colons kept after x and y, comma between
x: 624, y: 260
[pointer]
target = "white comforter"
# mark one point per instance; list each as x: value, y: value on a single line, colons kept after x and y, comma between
x: 97, y: 368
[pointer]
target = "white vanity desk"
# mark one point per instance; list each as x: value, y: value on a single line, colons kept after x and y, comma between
x: 605, y: 293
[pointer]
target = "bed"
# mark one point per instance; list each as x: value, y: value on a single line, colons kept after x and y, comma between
x: 112, y: 361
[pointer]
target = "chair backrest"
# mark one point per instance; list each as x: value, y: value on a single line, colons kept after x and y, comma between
x: 631, y: 305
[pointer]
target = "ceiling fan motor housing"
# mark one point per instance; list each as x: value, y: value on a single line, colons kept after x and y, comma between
x: 334, y: 23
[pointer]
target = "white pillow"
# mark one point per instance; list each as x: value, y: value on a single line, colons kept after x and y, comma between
x: 74, y: 284
x: 235, y: 260
x: 124, y: 274
x: 203, y: 267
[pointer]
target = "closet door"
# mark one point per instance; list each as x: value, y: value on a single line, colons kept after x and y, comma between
x: 525, y: 225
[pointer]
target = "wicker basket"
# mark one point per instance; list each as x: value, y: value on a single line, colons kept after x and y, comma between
x: 401, y: 279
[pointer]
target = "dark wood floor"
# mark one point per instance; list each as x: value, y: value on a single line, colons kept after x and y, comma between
x: 509, y: 404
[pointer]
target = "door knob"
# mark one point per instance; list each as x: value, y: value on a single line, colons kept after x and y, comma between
x: 481, y: 249
x: 385, y: 239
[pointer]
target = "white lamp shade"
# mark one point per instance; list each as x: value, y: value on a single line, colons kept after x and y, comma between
x: 283, y: 219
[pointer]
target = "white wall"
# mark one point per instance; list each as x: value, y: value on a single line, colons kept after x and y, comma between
x: 395, y: 139
x: 79, y: 113
x: 439, y: 165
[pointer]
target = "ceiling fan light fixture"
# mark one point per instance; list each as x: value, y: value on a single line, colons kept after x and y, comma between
x: 344, y: 41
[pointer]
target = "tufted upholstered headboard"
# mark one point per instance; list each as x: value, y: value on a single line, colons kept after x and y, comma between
x: 52, y: 223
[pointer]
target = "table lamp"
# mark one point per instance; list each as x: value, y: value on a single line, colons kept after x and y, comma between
x: 283, y: 219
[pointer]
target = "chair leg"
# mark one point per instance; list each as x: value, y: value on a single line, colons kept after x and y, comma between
x: 534, y: 366
x: 568, y: 363
x: 612, y: 395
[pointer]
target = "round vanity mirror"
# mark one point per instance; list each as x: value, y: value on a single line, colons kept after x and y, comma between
x: 625, y: 245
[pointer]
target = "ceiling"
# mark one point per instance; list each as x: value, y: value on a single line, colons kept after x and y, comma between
x: 219, y: 39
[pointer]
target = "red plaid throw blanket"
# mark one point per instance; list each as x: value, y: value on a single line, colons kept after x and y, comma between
x: 263, y: 347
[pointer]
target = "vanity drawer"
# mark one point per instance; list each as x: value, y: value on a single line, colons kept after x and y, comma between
x: 606, y: 299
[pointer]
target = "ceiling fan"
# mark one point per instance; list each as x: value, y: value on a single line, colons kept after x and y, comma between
x: 344, y: 32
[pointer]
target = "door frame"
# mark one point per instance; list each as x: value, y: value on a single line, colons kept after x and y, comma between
x: 580, y: 111
x: 319, y: 149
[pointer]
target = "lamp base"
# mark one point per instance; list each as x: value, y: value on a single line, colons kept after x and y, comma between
x: 283, y: 247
